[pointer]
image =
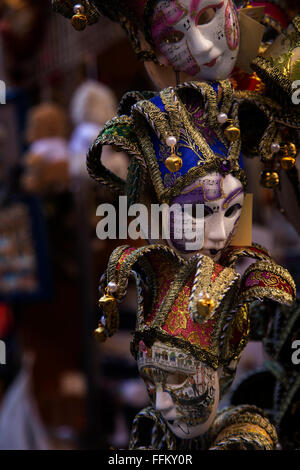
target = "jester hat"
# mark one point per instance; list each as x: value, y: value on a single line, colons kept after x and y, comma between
x: 212, y: 124
x: 168, y: 289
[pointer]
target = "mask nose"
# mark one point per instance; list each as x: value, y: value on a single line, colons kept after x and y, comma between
x: 198, y: 43
x: 163, y: 401
x: 218, y: 234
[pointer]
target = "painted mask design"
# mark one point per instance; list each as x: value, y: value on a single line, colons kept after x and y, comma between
x: 198, y: 37
x: 183, y: 389
x: 222, y: 197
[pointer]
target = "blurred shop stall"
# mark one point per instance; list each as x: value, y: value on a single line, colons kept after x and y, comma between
x: 61, y: 88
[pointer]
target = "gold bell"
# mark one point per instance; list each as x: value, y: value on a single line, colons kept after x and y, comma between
x: 173, y: 162
x: 287, y: 162
x: 205, y: 304
x: 110, y: 309
x: 232, y: 133
x: 106, y: 301
x: 288, y: 150
x: 100, y: 334
x: 79, y: 19
x: 269, y: 179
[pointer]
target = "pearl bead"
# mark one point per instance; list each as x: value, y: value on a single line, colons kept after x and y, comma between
x: 171, y: 141
x: 78, y: 8
x: 222, y: 117
x: 112, y: 286
x: 275, y: 147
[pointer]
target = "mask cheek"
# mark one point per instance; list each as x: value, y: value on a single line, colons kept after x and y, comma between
x: 175, y: 53
x: 209, y: 224
x: 231, y: 227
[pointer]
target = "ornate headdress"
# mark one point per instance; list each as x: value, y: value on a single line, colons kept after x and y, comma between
x: 182, y: 133
x: 279, y: 65
x: 176, y: 314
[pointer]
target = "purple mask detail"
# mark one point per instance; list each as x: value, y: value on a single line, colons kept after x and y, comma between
x: 209, y: 190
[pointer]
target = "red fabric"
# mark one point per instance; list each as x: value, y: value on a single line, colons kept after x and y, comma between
x: 274, y: 11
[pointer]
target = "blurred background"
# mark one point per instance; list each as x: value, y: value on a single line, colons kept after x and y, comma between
x: 60, y: 389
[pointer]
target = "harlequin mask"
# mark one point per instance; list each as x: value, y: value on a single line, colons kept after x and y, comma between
x: 222, y: 200
x: 183, y: 389
x: 198, y: 37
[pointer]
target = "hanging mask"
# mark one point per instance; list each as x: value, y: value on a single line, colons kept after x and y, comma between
x: 183, y: 389
x: 221, y: 198
x: 198, y: 37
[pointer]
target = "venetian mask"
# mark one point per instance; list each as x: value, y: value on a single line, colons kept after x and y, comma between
x: 183, y: 389
x: 222, y: 199
x: 198, y: 37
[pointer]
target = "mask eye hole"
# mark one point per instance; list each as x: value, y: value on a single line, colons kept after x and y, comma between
x: 206, y: 211
x: 176, y: 378
x: 171, y: 37
x: 206, y: 16
x: 232, y: 210
x: 194, y: 211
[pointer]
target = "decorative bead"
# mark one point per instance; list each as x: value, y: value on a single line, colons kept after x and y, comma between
x: 171, y: 141
x: 226, y: 166
x: 79, y: 20
x: 106, y: 301
x: 222, y: 118
x: 205, y: 304
x: 287, y: 162
x: 173, y: 163
x: 275, y: 147
x: 78, y: 8
x: 288, y: 150
x: 269, y: 179
x: 232, y: 133
x: 100, y: 334
x: 112, y: 286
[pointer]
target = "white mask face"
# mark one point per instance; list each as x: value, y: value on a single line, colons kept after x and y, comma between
x: 222, y: 197
x: 184, y: 390
x: 198, y: 37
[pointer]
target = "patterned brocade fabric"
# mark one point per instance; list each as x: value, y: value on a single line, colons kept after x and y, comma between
x: 171, y: 281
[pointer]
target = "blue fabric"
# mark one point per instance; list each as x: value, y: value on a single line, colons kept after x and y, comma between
x: 185, y: 149
x: 158, y: 102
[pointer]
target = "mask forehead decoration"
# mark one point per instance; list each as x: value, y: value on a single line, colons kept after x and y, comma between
x: 183, y: 389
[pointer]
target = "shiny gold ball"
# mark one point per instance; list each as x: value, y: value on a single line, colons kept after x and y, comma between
x: 205, y: 305
x: 79, y: 21
x: 232, y: 133
x: 269, y: 179
x: 287, y: 162
x: 288, y: 150
x: 106, y: 300
x: 173, y: 163
x: 100, y: 334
